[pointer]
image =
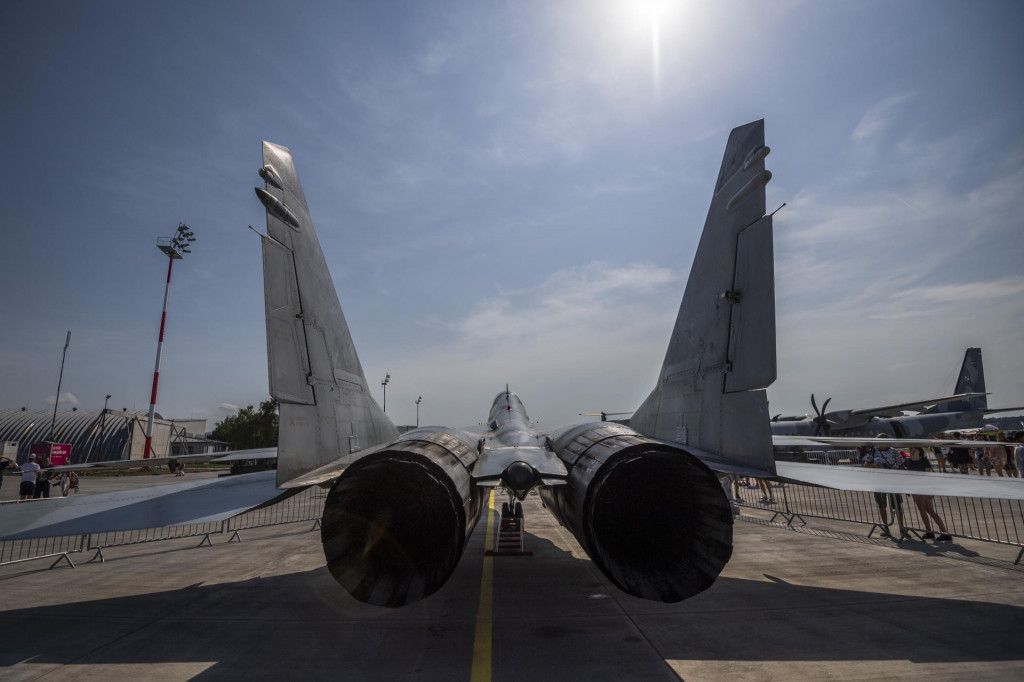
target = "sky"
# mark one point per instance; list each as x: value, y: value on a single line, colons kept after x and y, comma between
x: 507, y: 192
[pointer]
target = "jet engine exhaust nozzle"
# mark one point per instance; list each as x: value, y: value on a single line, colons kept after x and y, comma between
x: 652, y: 517
x: 395, y: 525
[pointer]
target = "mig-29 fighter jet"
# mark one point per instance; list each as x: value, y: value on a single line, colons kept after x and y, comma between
x: 643, y: 499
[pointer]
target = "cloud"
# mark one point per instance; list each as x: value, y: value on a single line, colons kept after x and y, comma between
x: 878, y: 116
x: 67, y: 399
x: 228, y: 408
x: 588, y: 338
x: 436, y: 56
x: 964, y: 292
x: 570, y: 299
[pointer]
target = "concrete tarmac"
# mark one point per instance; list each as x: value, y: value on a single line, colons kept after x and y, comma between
x: 789, y: 606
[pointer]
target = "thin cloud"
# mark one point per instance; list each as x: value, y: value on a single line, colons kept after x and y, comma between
x: 877, y: 118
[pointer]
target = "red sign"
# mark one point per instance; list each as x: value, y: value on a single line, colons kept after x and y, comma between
x: 60, y: 453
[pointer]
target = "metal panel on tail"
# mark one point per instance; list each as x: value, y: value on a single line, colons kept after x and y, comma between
x: 752, y: 329
x: 286, y: 340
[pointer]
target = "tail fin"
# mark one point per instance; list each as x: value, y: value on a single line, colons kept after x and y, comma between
x: 722, y: 352
x: 971, y: 380
x: 327, y: 410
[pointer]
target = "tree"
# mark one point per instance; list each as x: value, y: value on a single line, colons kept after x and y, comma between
x: 250, y: 428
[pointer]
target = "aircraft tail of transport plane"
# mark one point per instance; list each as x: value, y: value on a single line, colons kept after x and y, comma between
x: 970, y: 380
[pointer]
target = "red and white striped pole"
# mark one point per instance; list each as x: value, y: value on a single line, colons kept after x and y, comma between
x: 175, y: 247
x: 156, y: 369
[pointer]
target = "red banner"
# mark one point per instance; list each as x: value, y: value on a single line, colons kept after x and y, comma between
x: 60, y: 453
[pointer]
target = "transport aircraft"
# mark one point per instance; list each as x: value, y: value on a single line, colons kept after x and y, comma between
x: 939, y: 414
x: 643, y: 498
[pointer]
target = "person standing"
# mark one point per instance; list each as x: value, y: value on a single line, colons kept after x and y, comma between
x: 29, y: 471
x: 996, y: 456
x: 4, y: 463
x: 926, y: 503
x: 886, y: 458
x: 43, y: 480
x: 1018, y: 452
x: 959, y: 456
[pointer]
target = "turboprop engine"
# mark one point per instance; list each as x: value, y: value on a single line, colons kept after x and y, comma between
x: 396, y: 522
x: 651, y: 516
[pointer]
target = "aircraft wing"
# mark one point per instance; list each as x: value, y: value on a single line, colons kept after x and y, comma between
x: 897, y: 410
x: 174, y: 504
x: 897, y: 481
x: 1003, y: 409
x: 227, y: 456
x: 852, y: 442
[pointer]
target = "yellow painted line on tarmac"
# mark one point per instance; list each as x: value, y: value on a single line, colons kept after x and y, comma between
x: 481, y: 671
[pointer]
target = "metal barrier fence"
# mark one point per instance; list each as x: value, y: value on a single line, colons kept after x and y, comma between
x: 304, y: 506
x: 987, y: 520
x: 831, y: 456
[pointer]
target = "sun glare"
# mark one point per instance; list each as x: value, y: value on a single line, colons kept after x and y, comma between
x: 649, y: 17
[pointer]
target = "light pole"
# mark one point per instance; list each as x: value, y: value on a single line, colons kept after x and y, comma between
x: 384, y: 385
x: 53, y: 424
x: 103, y: 421
x: 175, y: 247
x: 418, y: 399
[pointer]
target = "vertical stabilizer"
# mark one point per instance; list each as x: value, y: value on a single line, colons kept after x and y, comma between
x: 971, y: 380
x: 710, y: 393
x: 327, y: 410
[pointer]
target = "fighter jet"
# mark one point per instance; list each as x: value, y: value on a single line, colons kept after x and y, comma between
x: 643, y: 500
x: 939, y: 414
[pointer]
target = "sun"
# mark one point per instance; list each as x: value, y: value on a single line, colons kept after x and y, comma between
x: 649, y: 17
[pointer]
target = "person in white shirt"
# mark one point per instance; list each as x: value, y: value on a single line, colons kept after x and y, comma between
x: 29, y: 472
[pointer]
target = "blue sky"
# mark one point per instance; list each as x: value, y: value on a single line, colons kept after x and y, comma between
x: 508, y: 192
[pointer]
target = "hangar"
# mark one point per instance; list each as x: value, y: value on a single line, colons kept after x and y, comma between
x: 103, y: 435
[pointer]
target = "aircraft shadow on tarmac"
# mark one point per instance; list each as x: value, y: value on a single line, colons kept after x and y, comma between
x: 304, y: 623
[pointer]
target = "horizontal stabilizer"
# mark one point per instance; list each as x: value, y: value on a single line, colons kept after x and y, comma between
x: 157, y: 506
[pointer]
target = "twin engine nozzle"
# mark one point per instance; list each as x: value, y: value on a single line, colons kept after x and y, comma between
x: 653, y: 518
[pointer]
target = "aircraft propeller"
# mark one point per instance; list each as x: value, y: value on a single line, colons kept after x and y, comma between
x: 602, y: 415
x: 822, y: 425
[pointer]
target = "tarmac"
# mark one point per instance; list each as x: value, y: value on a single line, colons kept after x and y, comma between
x: 789, y: 606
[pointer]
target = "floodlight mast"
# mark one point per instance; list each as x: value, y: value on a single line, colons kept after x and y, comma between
x: 175, y: 247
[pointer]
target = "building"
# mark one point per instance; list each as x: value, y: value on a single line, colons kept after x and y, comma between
x: 105, y: 435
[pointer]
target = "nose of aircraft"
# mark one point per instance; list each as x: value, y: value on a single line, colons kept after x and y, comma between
x: 519, y: 477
